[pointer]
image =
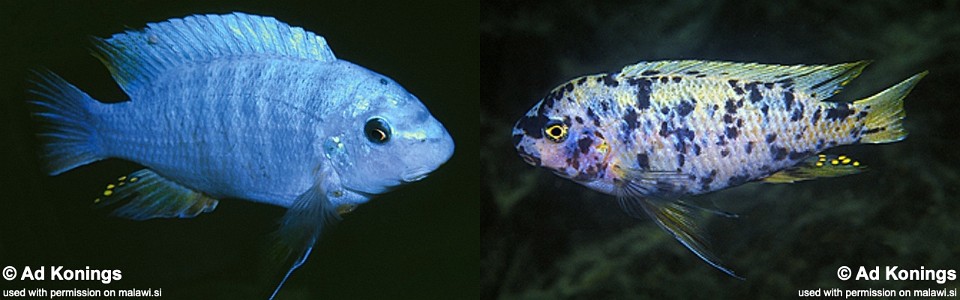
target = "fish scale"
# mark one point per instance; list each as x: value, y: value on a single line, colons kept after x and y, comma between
x: 657, y: 131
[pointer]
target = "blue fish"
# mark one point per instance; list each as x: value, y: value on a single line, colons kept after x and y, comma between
x: 240, y: 106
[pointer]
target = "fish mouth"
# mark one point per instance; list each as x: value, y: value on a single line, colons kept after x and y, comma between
x: 415, y: 175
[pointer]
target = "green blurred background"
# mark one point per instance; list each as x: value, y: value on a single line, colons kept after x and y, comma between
x: 544, y: 237
x: 419, y: 241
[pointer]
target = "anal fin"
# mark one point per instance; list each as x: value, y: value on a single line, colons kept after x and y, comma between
x: 682, y: 220
x: 820, y: 166
x: 152, y: 196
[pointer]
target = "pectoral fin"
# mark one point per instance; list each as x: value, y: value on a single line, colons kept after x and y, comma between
x: 680, y: 219
x: 311, y: 214
x: 152, y: 196
x: 820, y: 166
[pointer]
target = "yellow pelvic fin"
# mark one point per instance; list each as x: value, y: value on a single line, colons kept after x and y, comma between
x: 823, y: 165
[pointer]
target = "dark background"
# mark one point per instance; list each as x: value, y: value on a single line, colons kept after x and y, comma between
x: 547, y: 237
x: 419, y: 241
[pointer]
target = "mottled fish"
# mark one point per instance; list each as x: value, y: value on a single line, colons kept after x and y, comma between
x: 240, y: 106
x: 657, y: 131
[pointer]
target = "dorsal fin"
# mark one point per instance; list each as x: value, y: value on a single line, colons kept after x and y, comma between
x: 136, y: 57
x: 820, y: 81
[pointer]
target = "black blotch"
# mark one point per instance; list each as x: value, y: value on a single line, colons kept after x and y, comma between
x: 739, y: 123
x: 771, y: 138
x: 693, y: 72
x: 820, y: 144
x: 874, y: 130
x: 724, y: 152
x: 664, y: 110
x: 684, y: 108
x: 582, y: 80
x: 593, y: 117
x: 584, y: 144
x: 631, y: 118
x: 696, y: 149
x: 787, y: 83
x: 788, y: 99
x: 707, y: 180
x: 796, y: 115
x: 383, y: 81
x: 764, y: 110
x: 839, y: 113
x: 755, y: 95
x: 566, y: 121
x: 861, y: 115
x: 798, y: 136
x: 533, y: 126
x: 816, y: 116
x: 730, y: 106
x: 650, y: 73
x: 721, y: 141
x: 676, y: 79
x: 605, y: 105
x: 701, y: 75
x: 664, y: 129
x: 736, y: 87
x: 681, y: 159
x: 740, y: 103
x: 664, y: 79
x: 749, y: 148
x: 579, y: 120
x: 778, y: 153
x: 768, y: 85
x: 643, y: 161
x: 685, y: 134
x: 610, y: 81
x: 732, y: 133
x: 643, y: 91
x: 727, y: 118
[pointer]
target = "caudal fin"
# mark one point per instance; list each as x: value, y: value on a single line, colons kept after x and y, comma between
x: 884, y: 120
x: 67, y: 130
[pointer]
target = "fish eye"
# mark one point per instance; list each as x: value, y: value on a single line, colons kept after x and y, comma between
x: 555, y: 130
x: 377, y: 131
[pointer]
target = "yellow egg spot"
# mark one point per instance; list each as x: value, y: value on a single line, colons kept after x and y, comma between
x: 834, y: 162
x: 120, y: 184
x: 603, y: 147
x: 819, y: 164
x: 822, y: 155
x: 96, y: 200
x: 110, y: 186
x: 107, y: 193
x: 134, y: 179
x: 842, y: 157
x: 846, y: 161
x: 122, y: 178
x: 856, y: 164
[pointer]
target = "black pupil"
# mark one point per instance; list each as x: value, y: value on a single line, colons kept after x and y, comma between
x: 555, y: 131
x: 377, y: 131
